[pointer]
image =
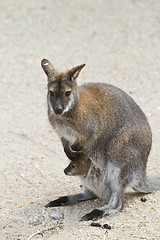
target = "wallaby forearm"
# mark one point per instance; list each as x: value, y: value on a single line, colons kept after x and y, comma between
x: 72, y: 155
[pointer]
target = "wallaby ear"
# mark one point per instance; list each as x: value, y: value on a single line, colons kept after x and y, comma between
x: 47, y: 66
x: 74, y: 72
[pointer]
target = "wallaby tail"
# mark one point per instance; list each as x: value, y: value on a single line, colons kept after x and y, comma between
x: 148, y: 185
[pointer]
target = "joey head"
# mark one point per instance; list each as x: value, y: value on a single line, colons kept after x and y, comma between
x: 79, y: 167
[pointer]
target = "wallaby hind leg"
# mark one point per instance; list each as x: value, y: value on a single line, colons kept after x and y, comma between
x: 73, y: 198
x: 114, y: 205
x: 116, y: 180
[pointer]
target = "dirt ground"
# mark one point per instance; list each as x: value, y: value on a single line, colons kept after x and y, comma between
x: 120, y: 43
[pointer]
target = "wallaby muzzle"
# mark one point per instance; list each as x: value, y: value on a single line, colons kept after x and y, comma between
x: 58, y: 106
x: 67, y: 171
x: 58, y: 110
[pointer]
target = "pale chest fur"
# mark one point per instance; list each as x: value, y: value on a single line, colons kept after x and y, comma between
x: 64, y: 129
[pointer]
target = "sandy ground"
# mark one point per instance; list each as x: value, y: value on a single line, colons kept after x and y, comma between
x: 120, y: 43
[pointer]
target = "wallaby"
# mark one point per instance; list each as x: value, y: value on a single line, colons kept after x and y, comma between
x: 79, y: 167
x: 106, y: 125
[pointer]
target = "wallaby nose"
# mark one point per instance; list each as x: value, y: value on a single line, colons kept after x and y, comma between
x: 65, y: 171
x: 58, y: 110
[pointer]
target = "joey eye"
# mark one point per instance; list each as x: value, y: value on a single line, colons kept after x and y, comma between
x: 51, y: 93
x: 68, y: 93
x: 73, y: 166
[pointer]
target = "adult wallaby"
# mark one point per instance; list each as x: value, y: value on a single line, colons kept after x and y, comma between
x: 108, y: 127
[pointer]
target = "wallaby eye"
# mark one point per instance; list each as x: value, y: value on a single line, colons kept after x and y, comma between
x: 73, y: 166
x: 51, y: 93
x: 68, y: 93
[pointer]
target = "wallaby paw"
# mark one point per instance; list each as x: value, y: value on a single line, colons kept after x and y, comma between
x: 76, y: 147
x: 94, y: 215
x: 58, y: 202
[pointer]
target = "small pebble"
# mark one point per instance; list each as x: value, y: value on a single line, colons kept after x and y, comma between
x: 53, y: 215
x: 94, y: 224
x: 143, y: 199
x: 107, y: 226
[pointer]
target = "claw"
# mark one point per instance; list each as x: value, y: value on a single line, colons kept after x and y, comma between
x: 94, y: 215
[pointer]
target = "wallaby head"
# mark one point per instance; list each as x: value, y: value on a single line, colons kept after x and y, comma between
x: 62, y: 87
x: 78, y: 167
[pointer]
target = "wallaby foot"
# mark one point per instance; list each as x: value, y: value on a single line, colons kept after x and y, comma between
x: 62, y: 201
x: 70, y: 199
x: 93, y: 215
x: 114, y: 205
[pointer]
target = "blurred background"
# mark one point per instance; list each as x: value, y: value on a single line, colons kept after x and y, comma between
x: 120, y: 43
